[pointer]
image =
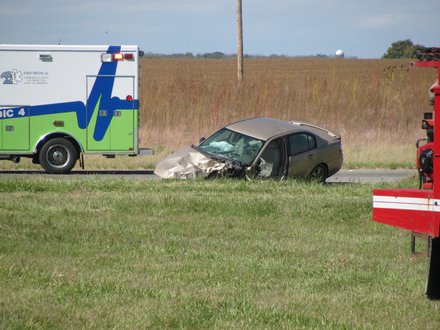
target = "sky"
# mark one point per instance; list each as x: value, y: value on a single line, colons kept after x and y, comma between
x: 362, y: 28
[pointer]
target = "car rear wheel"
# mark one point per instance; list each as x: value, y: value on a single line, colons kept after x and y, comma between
x: 319, y: 173
x: 58, y: 156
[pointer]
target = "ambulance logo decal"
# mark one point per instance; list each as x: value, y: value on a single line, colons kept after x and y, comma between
x: 12, y: 77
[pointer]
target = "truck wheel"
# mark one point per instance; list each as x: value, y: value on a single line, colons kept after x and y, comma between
x: 58, y: 156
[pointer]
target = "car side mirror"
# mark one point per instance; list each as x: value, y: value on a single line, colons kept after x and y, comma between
x: 202, y: 139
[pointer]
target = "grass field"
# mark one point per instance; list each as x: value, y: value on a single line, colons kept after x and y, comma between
x: 106, y: 253
x: 369, y: 102
x: 376, y: 105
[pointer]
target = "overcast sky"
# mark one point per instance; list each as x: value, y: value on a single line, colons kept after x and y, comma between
x: 362, y: 28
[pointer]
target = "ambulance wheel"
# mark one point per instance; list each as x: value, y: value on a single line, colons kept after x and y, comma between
x: 58, y: 156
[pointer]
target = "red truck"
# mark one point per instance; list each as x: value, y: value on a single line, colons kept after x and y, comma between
x: 418, y: 210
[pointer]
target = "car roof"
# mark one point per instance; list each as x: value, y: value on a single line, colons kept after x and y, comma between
x: 265, y: 128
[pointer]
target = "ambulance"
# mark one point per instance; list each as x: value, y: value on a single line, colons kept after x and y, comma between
x: 59, y: 102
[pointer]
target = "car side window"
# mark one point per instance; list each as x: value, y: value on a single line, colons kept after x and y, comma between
x: 301, y: 142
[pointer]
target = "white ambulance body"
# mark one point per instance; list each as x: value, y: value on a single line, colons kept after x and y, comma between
x: 58, y: 102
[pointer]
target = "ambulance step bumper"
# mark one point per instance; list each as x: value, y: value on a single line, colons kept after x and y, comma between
x: 146, y: 152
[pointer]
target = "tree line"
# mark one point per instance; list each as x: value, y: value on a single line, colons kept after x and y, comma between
x: 398, y: 49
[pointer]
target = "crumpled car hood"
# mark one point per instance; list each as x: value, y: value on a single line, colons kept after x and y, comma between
x: 187, y: 164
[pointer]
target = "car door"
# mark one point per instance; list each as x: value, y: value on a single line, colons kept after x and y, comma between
x: 302, y: 154
x: 272, y: 161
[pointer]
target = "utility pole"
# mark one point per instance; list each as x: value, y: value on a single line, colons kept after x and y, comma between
x: 239, y: 42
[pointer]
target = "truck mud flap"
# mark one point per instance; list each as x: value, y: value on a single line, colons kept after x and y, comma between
x: 433, y: 285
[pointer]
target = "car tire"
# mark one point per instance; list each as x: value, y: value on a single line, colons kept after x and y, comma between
x: 58, y: 156
x: 319, y: 173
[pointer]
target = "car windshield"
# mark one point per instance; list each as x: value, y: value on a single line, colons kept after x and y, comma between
x: 232, y: 145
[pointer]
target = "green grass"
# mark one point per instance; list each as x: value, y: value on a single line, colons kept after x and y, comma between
x: 106, y: 253
x: 380, y: 155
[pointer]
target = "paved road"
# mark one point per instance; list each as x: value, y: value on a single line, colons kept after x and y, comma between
x: 371, y: 176
x: 344, y: 176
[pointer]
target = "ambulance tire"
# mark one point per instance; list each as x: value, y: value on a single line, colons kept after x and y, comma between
x: 58, y: 156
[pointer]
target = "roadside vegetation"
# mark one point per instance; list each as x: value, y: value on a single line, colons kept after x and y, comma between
x: 369, y: 102
x: 107, y: 253
x: 376, y: 105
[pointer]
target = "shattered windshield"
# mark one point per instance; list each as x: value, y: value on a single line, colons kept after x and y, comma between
x: 232, y: 145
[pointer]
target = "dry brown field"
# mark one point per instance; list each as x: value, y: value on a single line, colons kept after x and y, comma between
x: 376, y: 105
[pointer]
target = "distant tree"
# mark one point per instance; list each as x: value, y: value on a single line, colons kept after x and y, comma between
x: 216, y: 55
x: 402, y: 49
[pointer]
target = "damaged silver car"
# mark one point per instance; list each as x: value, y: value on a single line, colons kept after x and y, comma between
x: 259, y: 148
